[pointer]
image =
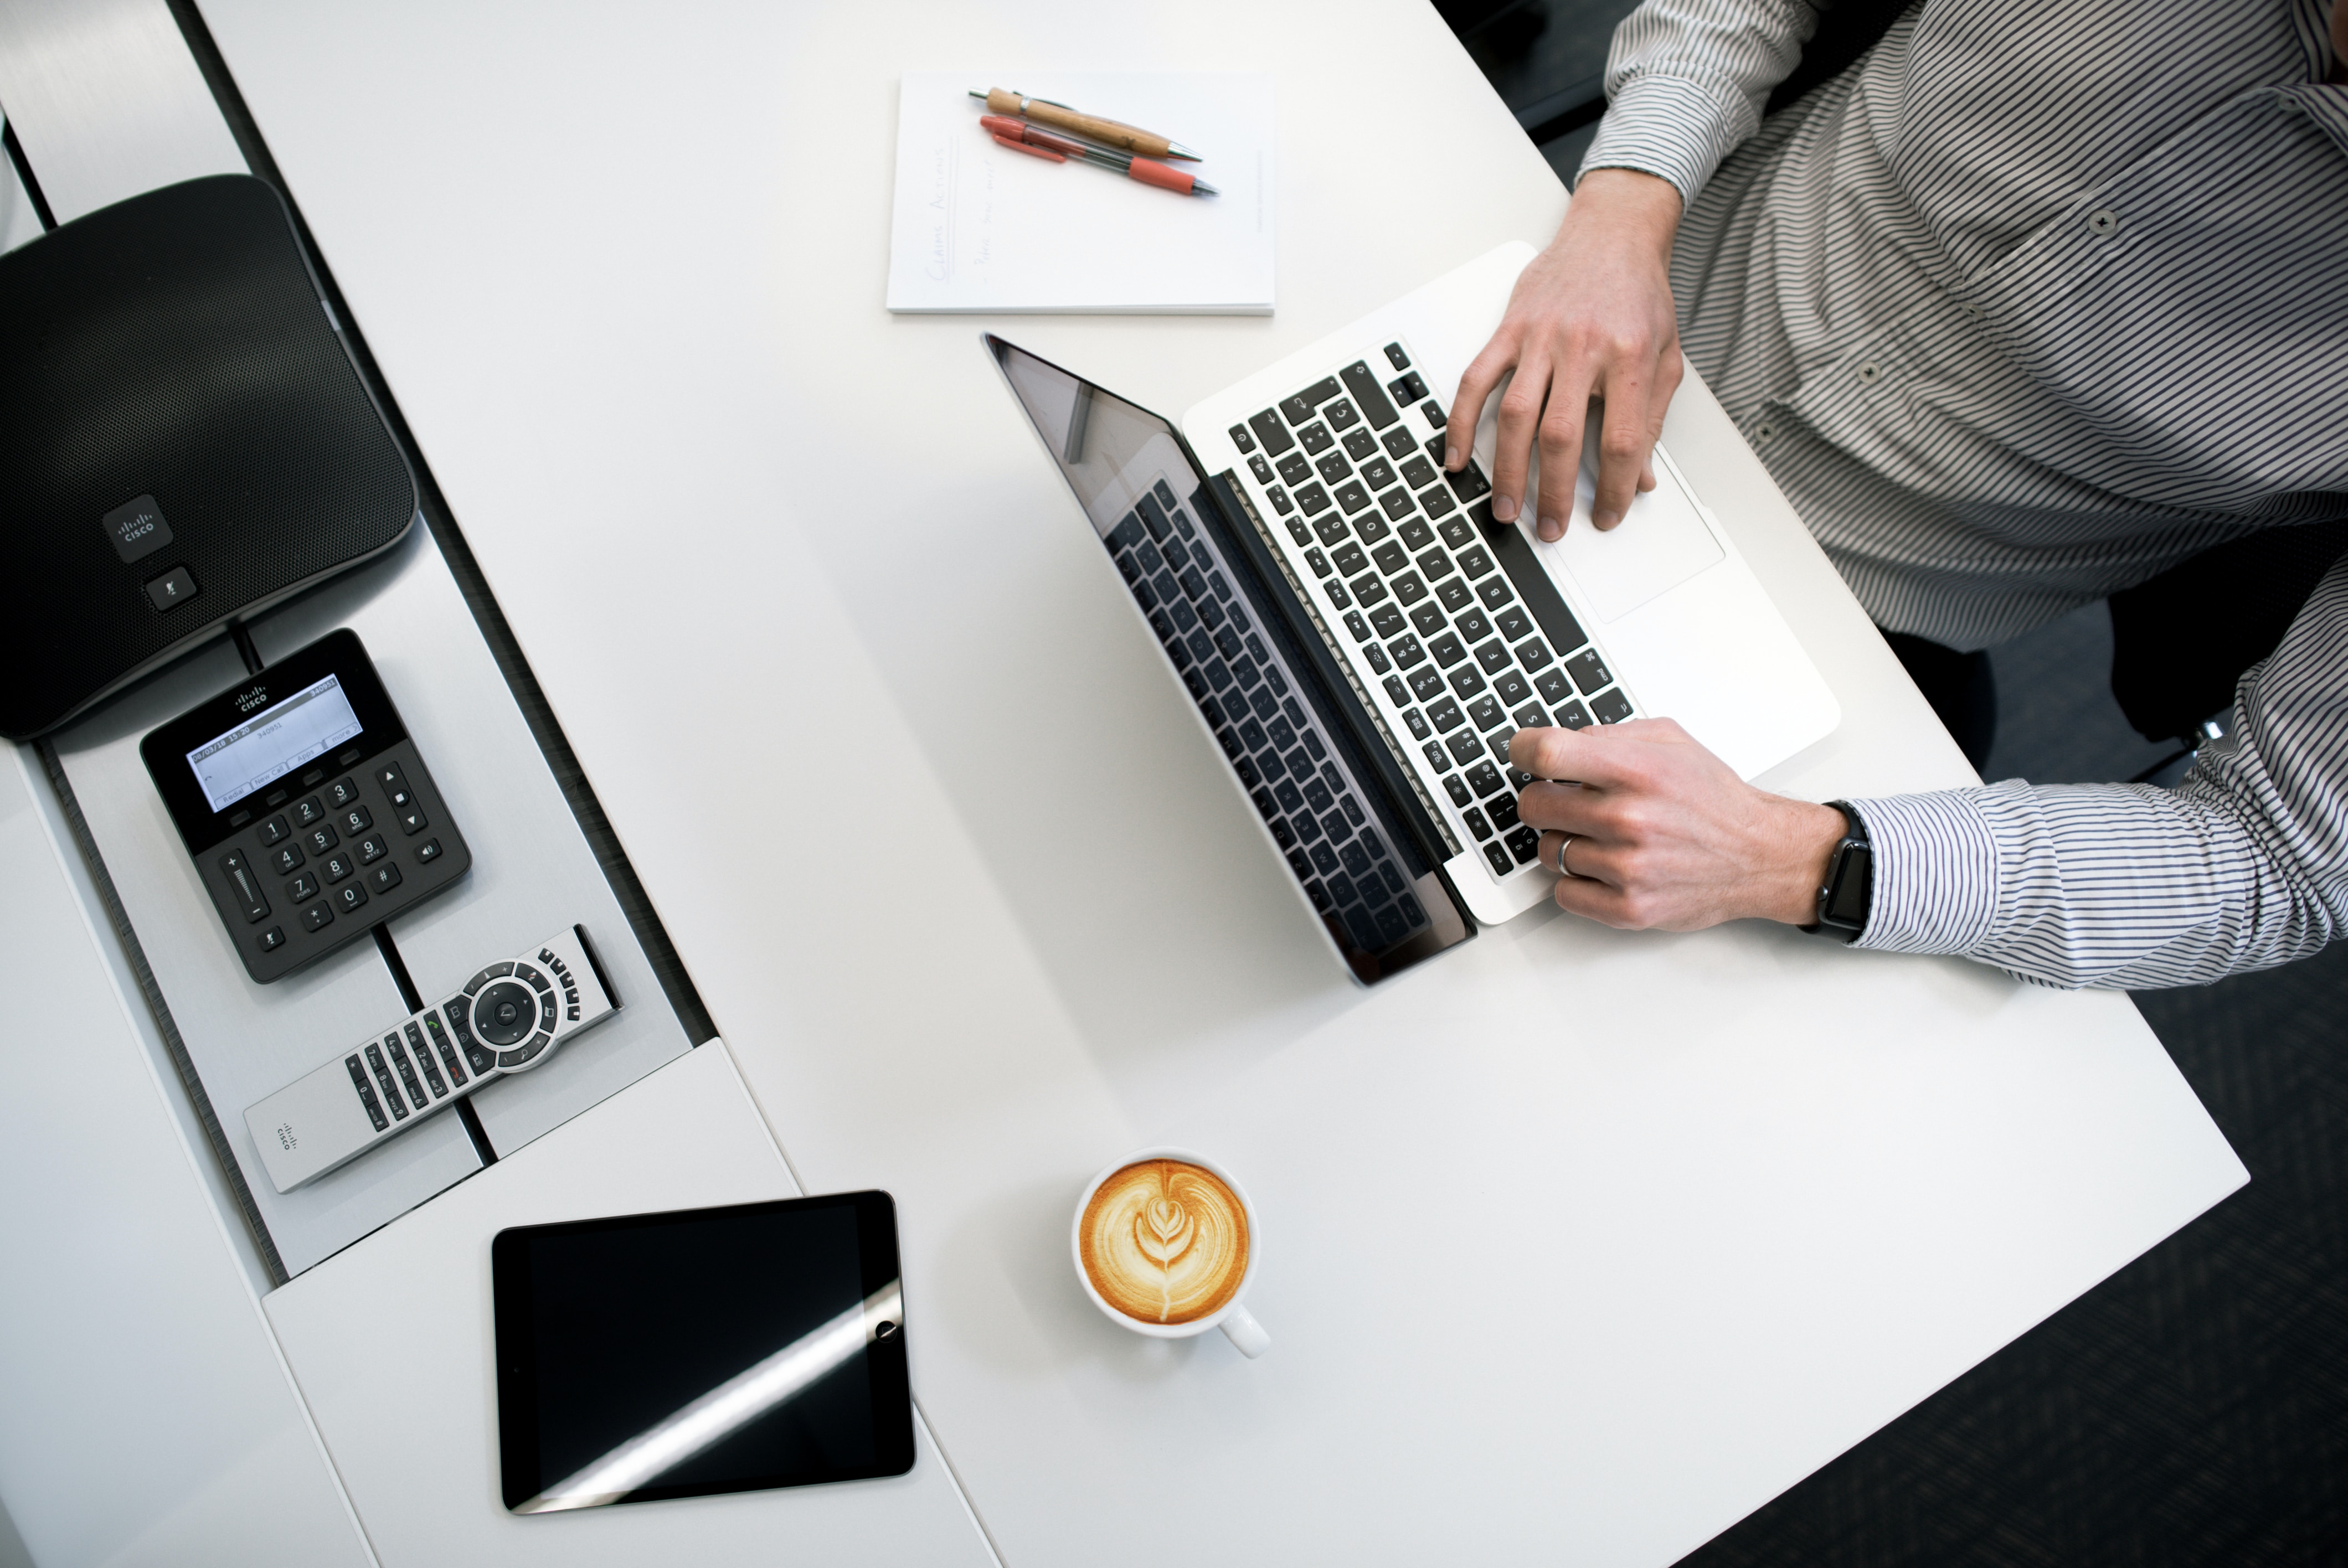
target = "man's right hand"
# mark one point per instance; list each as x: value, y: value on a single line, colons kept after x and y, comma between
x: 1591, y: 317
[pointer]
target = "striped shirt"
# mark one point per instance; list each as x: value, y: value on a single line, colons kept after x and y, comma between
x: 2028, y: 305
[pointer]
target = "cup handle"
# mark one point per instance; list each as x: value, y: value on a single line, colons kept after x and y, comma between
x: 1246, y: 1335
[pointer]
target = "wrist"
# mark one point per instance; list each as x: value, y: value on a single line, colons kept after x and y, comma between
x: 1802, y: 852
x: 1631, y: 203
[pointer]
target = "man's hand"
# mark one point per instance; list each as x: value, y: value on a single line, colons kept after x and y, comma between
x: 1664, y: 835
x: 1591, y: 317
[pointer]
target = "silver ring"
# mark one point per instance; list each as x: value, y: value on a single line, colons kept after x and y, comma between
x: 1561, y: 868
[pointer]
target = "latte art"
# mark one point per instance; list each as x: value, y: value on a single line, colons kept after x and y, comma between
x: 1164, y: 1241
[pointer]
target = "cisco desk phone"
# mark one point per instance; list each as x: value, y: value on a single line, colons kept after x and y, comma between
x: 309, y: 814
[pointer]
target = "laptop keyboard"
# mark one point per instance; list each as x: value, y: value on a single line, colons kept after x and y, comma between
x: 1465, y: 650
x: 1304, y: 790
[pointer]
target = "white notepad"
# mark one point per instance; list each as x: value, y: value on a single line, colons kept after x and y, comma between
x: 978, y: 227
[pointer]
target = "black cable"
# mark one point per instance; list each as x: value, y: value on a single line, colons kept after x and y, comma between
x: 244, y: 648
x: 16, y: 150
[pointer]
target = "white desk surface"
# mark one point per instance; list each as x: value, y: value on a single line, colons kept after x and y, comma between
x: 1577, y: 1243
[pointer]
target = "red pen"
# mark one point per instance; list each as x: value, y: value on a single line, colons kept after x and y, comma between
x: 1022, y: 136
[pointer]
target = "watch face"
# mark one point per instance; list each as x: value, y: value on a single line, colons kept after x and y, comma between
x: 1850, y: 888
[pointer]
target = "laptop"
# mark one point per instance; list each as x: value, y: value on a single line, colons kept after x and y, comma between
x: 1361, y: 637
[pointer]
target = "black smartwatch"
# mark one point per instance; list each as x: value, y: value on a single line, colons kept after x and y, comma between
x: 1849, y: 888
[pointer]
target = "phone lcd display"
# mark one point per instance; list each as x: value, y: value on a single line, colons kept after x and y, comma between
x: 273, y: 742
x: 702, y: 1351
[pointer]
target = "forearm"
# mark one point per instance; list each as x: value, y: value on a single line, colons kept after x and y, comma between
x: 1686, y: 80
x: 2243, y: 868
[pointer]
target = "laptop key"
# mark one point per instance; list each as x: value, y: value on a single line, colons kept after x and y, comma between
x: 1434, y: 414
x: 1359, y: 445
x: 1436, y: 499
x: 1532, y: 653
x: 1484, y: 779
x: 1313, y: 498
x: 1332, y: 468
x: 1280, y: 503
x: 1415, y: 722
x: 1407, y: 388
x: 1494, y: 593
x: 1493, y: 656
x: 1445, y: 715
x: 1466, y: 680
x: 1554, y: 687
x: 1513, y: 623
x: 1502, y: 809
x: 1369, y: 395
x: 1474, y: 627
x: 1127, y: 534
x: 1454, y: 594
x: 1408, y: 590
x: 1436, y: 757
x: 1497, y: 855
x: 1300, y: 407
x: 1352, y: 496
x: 1512, y: 688
x: 1524, y: 844
x: 1530, y: 717
x: 1457, y: 532
x: 1395, y: 503
x: 1464, y: 747
x: 1428, y: 618
x: 1611, y: 707
x: 1386, y: 621
x: 1340, y: 415
x: 1474, y: 562
x: 1426, y: 685
x: 1377, y: 473
x: 1417, y: 472
x: 1448, y: 649
x: 1357, y: 626
x: 1487, y: 711
x: 1390, y: 556
x: 1368, y: 587
x: 1416, y: 533
x: 1589, y: 671
x: 1398, y: 442
x: 1241, y: 439
x: 1295, y: 468
x: 1350, y: 561
x: 1260, y: 469
x: 1396, y: 357
x: 1296, y: 529
x: 1317, y: 561
x: 1316, y: 438
x: 1469, y: 482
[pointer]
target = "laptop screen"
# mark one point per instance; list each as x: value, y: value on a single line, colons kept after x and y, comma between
x: 1242, y: 644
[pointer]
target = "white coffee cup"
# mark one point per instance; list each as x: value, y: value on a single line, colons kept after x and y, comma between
x: 1242, y: 1329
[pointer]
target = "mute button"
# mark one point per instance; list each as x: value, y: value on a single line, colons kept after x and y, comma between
x: 172, y: 589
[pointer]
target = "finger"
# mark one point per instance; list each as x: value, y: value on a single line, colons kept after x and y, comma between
x: 1590, y: 757
x: 1484, y: 374
x: 1520, y: 414
x: 1596, y: 901
x: 1561, y: 453
x: 1563, y: 808
x: 1669, y: 372
x: 1584, y: 859
x: 1624, y: 447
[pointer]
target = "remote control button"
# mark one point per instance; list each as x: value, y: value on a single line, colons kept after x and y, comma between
x: 423, y: 1060
x: 319, y: 840
x: 383, y: 877
x: 427, y: 852
x: 473, y: 985
x: 317, y: 918
x: 349, y: 897
x: 309, y: 813
x: 393, y: 784
x: 366, y: 1093
x: 302, y: 887
x: 383, y: 1077
x: 341, y: 793
x: 286, y: 857
x: 524, y: 1054
x: 372, y: 848
x: 538, y: 982
x: 273, y: 938
x: 483, y: 1059
x: 549, y: 1012
x: 243, y: 886
x: 355, y: 820
x: 448, y: 1051
x: 274, y: 831
x: 504, y: 1012
x: 340, y: 865
x: 407, y: 1072
x: 412, y: 820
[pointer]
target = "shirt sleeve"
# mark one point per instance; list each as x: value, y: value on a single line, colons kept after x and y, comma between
x: 1685, y: 81
x: 2243, y: 867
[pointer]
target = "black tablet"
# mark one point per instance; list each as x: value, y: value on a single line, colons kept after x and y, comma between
x: 699, y: 1351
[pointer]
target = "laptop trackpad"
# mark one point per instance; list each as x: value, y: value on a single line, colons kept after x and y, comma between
x: 1660, y: 544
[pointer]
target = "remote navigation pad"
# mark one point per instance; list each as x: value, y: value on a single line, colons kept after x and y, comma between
x: 509, y: 1019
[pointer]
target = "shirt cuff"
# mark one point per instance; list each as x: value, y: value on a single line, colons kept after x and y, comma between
x: 1935, y: 872
x: 1669, y: 127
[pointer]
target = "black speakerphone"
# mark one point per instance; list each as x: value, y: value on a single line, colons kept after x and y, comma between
x: 309, y: 814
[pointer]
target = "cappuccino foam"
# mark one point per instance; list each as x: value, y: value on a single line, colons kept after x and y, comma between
x: 1164, y: 1241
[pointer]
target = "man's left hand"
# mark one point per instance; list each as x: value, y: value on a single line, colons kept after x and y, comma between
x: 1663, y: 835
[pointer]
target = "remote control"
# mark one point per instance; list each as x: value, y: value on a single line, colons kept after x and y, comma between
x: 509, y: 1019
